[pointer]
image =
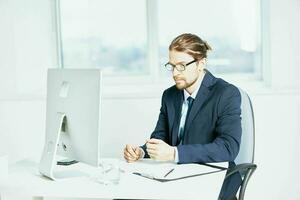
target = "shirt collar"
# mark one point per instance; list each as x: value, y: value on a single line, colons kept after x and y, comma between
x: 194, y: 94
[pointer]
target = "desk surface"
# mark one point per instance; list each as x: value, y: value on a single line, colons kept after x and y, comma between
x: 24, y: 178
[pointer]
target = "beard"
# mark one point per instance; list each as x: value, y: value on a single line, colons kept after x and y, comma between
x: 182, y: 84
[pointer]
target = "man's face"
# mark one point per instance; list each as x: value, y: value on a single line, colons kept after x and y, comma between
x: 188, y: 77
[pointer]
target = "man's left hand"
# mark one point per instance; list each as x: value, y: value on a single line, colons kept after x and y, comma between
x: 159, y: 150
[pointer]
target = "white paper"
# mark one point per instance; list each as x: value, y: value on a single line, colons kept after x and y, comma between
x: 158, y: 170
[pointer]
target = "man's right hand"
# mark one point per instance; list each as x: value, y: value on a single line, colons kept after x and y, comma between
x: 132, y: 153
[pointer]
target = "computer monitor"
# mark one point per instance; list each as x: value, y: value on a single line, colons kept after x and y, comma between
x: 72, y: 117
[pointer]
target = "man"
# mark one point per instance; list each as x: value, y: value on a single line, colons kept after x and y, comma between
x: 199, y: 120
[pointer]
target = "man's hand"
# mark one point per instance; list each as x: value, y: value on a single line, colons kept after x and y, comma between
x: 132, y: 153
x: 159, y: 150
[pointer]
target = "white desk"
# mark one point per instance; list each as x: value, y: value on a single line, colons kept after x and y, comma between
x: 24, y: 180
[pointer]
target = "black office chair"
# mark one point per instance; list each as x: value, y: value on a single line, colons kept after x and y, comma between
x: 245, y: 158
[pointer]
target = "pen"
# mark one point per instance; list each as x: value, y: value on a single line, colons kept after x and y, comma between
x: 144, y: 175
x: 168, y: 173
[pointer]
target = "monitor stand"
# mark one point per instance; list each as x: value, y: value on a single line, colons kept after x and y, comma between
x: 48, y: 160
x: 66, y: 162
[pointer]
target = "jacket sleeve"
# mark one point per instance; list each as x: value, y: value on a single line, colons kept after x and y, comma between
x: 161, y: 129
x: 225, y: 146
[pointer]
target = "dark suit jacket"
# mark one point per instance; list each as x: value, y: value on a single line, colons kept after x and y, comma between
x: 213, y: 127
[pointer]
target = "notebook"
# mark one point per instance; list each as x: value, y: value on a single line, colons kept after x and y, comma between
x: 164, y: 171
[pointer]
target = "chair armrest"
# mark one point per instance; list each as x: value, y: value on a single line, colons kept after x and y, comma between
x: 240, y: 168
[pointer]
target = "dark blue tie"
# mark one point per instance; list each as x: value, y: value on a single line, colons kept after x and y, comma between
x: 182, y: 126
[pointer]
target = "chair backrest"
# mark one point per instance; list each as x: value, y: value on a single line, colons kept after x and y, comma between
x: 244, y: 161
x: 246, y: 153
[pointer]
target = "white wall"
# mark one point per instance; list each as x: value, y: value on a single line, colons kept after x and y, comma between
x: 284, y: 43
x: 28, y: 48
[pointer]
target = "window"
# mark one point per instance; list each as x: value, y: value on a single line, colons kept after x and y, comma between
x: 107, y: 34
x: 132, y: 37
x: 230, y: 27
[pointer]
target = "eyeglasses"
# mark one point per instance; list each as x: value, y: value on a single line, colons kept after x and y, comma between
x: 179, y: 67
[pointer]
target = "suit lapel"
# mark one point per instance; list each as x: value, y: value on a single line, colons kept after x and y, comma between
x: 177, y: 107
x: 201, y: 97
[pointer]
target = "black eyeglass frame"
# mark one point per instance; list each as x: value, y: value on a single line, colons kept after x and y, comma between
x: 170, y: 67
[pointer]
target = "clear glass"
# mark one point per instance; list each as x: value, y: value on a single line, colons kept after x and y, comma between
x: 109, y: 171
x: 105, y: 34
x: 230, y: 27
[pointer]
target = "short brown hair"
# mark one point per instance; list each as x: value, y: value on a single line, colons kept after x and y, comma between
x: 190, y: 44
